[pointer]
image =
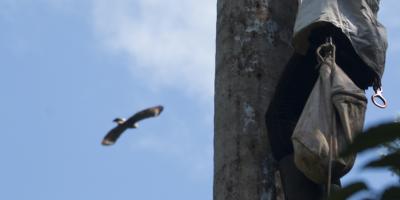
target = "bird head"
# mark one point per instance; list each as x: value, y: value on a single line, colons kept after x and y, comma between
x: 119, y: 120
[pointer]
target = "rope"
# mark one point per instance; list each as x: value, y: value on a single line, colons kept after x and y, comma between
x: 329, y: 50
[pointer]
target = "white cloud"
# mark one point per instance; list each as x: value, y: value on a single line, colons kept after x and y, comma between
x: 171, y: 43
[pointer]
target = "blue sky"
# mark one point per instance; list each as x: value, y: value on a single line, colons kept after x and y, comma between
x: 69, y: 67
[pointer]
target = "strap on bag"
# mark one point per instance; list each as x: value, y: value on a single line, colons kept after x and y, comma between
x: 326, y: 50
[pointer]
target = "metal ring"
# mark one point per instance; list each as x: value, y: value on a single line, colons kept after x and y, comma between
x: 326, y: 46
x: 375, y: 96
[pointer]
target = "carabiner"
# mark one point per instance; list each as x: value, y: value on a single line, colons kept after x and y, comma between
x: 378, y: 95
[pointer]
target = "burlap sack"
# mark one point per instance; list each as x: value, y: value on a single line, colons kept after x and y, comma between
x: 333, y: 115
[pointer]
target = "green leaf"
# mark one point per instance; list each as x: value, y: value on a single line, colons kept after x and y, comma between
x: 392, y: 161
x: 374, y: 137
x: 348, y: 191
x: 392, y: 193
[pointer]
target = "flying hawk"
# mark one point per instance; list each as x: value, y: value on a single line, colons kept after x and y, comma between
x: 123, y: 124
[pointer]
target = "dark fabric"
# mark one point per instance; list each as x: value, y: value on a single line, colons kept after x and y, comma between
x: 285, y: 108
x: 295, y: 185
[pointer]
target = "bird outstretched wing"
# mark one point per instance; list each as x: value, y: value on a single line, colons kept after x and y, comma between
x: 144, y: 114
x: 114, y: 133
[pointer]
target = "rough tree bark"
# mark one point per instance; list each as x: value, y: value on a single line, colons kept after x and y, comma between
x: 252, y: 47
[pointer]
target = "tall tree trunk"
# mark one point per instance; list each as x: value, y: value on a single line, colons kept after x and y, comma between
x: 252, y: 48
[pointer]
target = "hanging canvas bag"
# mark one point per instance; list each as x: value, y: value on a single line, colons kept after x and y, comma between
x: 334, y: 113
